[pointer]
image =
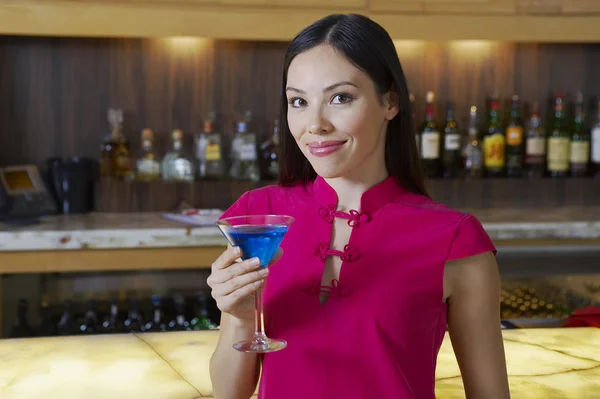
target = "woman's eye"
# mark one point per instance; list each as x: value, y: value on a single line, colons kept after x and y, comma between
x: 341, y: 99
x: 297, y: 102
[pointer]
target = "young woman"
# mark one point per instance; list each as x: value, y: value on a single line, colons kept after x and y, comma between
x: 372, y: 271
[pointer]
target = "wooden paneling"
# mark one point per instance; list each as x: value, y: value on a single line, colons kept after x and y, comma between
x: 563, y: 21
x: 55, y: 91
x: 116, y: 196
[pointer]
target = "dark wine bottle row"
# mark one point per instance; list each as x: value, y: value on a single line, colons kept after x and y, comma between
x: 155, y: 314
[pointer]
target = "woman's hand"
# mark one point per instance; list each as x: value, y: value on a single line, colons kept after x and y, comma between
x: 233, y: 282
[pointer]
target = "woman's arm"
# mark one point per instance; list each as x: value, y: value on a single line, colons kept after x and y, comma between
x: 234, y: 374
x: 472, y: 287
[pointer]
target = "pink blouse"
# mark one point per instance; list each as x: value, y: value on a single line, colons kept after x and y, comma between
x: 379, y: 334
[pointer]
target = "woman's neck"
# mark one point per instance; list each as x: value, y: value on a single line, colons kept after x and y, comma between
x: 349, y: 190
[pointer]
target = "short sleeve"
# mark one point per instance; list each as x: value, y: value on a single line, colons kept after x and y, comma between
x: 470, y: 238
x: 239, y: 207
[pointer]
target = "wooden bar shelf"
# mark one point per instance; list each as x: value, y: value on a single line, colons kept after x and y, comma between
x: 159, y: 196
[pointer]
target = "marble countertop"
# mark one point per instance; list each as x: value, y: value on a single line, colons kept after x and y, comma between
x: 107, y: 231
x: 542, y: 363
x: 151, y: 230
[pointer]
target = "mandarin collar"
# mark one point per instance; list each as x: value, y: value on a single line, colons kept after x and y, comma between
x: 374, y: 198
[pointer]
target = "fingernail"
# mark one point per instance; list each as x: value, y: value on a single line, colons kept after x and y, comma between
x: 254, y: 262
x: 238, y: 250
x: 263, y: 271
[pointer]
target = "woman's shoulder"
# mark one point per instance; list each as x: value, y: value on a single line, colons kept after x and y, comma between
x: 265, y: 199
x: 464, y: 231
x: 424, y: 206
x: 276, y: 193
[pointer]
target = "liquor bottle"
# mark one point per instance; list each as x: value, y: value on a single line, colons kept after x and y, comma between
x: 201, y: 320
x: 596, y: 143
x: 269, y: 151
x: 179, y: 323
x: 580, y: 141
x: 473, y: 153
x: 430, y: 140
x: 208, y: 151
x: 535, y: 148
x: 494, y: 142
x: 112, y: 324
x: 90, y: 323
x: 175, y: 165
x: 47, y: 326
x: 451, y: 156
x: 514, y: 140
x: 559, y: 142
x: 21, y: 328
x: 147, y: 165
x: 66, y: 325
x: 115, y: 159
x: 134, y: 322
x: 244, y: 157
x: 156, y: 324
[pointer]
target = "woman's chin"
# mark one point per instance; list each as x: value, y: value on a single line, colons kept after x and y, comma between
x: 331, y: 172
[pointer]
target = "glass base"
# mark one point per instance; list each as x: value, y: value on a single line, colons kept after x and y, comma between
x: 260, y: 345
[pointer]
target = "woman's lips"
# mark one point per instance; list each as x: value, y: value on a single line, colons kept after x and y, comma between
x: 324, y: 148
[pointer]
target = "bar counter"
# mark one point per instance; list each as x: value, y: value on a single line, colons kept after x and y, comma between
x: 150, y: 230
x: 542, y: 363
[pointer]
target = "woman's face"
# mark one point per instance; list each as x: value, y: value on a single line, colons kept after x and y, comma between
x: 336, y: 116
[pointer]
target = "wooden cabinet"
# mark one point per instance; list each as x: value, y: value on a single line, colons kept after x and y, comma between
x: 439, y: 20
x: 317, y: 4
x: 581, y: 7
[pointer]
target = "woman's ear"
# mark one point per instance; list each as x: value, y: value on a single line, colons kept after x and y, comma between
x: 392, y: 103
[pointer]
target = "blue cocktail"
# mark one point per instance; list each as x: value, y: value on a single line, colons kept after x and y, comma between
x: 258, y: 236
x: 256, y: 241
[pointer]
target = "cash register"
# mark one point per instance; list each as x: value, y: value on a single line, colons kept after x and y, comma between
x: 24, y: 197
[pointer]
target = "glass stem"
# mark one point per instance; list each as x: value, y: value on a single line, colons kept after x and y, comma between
x: 259, y: 332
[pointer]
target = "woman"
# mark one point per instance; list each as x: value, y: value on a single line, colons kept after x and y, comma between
x: 372, y: 269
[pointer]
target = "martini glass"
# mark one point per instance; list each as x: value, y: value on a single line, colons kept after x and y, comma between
x: 258, y: 236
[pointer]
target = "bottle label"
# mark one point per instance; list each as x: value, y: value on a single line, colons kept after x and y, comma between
x: 430, y: 145
x: 514, y: 135
x: 580, y: 152
x: 452, y: 142
x: 558, y: 154
x: 596, y: 144
x: 201, y: 143
x: 212, y: 152
x: 148, y: 167
x: 493, y: 151
x: 122, y: 159
x: 248, y: 152
x: 536, y: 146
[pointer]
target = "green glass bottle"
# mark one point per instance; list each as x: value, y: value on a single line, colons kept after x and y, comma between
x: 514, y: 140
x: 559, y: 141
x: 580, y: 141
x: 494, y: 142
x: 430, y: 140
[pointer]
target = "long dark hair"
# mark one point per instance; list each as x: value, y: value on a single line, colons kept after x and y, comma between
x: 370, y: 48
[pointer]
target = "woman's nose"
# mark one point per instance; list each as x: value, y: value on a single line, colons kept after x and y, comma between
x: 319, y: 124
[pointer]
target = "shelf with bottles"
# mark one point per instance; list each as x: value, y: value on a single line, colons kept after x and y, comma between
x: 499, y: 142
x: 181, y: 311
x: 542, y: 301
x: 249, y: 159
